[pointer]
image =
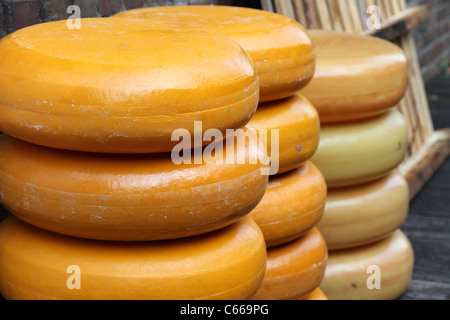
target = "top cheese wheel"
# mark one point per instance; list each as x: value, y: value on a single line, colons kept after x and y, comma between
x: 132, y: 197
x: 280, y: 47
x: 121, y: 86
x: 356, y: 76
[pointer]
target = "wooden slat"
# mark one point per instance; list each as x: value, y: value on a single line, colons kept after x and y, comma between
x: 286, y: 7
x: 300, y: 12
x: 335, y: 15
x: 313, y: 14
x: 421, y: 166
x: 400, y: 24
x: 324, y: 15
x: 347, y: 21
x: 267, y: 5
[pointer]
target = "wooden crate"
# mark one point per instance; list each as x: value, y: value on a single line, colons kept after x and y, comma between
x: 427, y: 148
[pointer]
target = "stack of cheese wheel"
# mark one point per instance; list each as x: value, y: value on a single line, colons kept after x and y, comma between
x: 284, y: 59
x: 356, y: 86
x: 100, y: 209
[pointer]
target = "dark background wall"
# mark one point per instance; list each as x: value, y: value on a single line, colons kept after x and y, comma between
x: 432, y: 36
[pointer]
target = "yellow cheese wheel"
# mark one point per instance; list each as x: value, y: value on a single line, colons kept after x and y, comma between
x: 37, y: 264
x: 294, y: 269
x: 356, y: 76
x: 317, y: 294
x: 293, y: 204
x: 378, y: 271
x: 280, y: 47
x: 126, y: 197
x: 298, y: 128
x: 120, y: 86
x: 365, y: 213
x: 351, y: 153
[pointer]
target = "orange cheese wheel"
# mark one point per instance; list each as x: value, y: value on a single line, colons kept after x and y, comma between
x: 355, y: 152
x: 298, y: 128
x: 126, y: 197
x: 120, y: 86
x: 282, y: 52
x: 378, y: 271
x: 356, y: 76
x: 37, y: 264
x: 365, y: 213
x: 294, y: 269
x: 293, y: 204
x: 316, y: 294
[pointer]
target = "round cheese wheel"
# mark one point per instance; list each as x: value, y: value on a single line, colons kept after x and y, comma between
x: 378, y: 271
x: 365, y: 213
x: 121, y: 86
x: 293, y: 204
x: 283, y: 54
x: 356, y: 76
x: 297, y: 127
x: 294, y: 269
x: 351, y: 153
x: 38, y: 264
x: 126, y: 197
x: 316, y: 294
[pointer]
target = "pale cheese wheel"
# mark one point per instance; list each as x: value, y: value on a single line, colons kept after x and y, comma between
x: 128, y: 197
x: 354, y: 152
x: 294, y: 269
x: 356, y: 76
x: 282, y: 52
x: 364, y: 213
x: 378, y: 271
x: 121, y: 86
x: 295, y: 122
x: 38, y: 265
x: 293, y: 204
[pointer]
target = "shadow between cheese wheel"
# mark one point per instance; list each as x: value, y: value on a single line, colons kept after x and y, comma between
x: 356, y: 76
x: 316, y: 295
x: 282, y: 52
x: 37, y: 264
x: 387, y: 264
x: 121, y: 86
x: 294, y: 269
x: 365, y: 213
x: 354, y: 152
x: 298, y: 127
x: 128, y: 197
x: 293, y: 203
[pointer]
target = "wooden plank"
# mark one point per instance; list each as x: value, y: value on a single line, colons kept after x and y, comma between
x: 286, y: 8
x: 421, y: 165
x: 335, y: 15
x: 267, y: 5
x: 400, y: 24
x: 300, y: 12
x: 350, y: 22
x: 313, y: 15
x: 324, y: 15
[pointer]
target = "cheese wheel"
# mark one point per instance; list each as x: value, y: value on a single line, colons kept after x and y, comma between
x: 316, y: 294
x: 298, y: 128
x: 293, y: 204
x: 121, y: 86
x: 126, y: 197
x: 294, y: 269
x: 365, y: 213
x: 378, y: 271
x: 351, y: 153
x: 356, y: 76
x: 38, y: 264
x: 282, y: 52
